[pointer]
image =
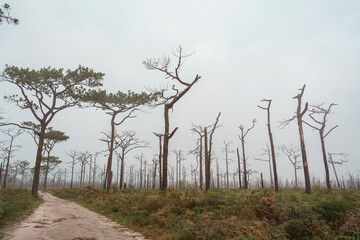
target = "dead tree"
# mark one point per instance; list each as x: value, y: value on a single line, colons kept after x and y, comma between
x: 321, y: 125
x: 160, y: 136
x: 208, y: 150
x: 242, y: 139
x: 227, y: 151
x: 343, y: 159
x: 163, y: 65
x: 140, y: 158
x: 292, y: 153
x: 179, y: 158
x: 239, y: 167
x: 155, y: 164
x: 273, y: 155
x: 126, y: 141
x: 299, y: 116
x: 10, y: 149
x: 267, y: 153
x: 73, y: 154
x: 82, y: 158
x: 217, y: 173
x: 199, y: 151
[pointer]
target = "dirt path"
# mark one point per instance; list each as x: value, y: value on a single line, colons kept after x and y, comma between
x: 61, y: 219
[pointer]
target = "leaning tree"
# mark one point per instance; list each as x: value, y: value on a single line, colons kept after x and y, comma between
x: 46, y: 92
x: 163, y: 65
x: 115, y: 104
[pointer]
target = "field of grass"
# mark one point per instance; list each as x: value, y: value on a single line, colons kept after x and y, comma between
x: 15, y: 204
x: 228, y: 213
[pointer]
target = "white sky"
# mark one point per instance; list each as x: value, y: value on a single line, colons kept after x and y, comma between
x: 244, y: 51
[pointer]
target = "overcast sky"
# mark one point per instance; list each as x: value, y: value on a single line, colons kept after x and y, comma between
x: 244, y: 51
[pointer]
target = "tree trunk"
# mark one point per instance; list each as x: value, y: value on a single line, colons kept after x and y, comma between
x: 160, y: 160
x: 111, y: 151
x: 8, y: 162
x: 273, y: 154
x: 166, y: 149
x: 217, y: 175
x: 122, y: 169
x: 336, y: 176
x: 72, y: 173
x: 239, y: 166
x: 327, y: 174
x: 46, y: 172
x: 207, y: 161
x: 35, y: 186
x: 227, y: 167
x: 304, y: 158
x: 200, y: 162
x: 244, y: 162
x: 295, y: 176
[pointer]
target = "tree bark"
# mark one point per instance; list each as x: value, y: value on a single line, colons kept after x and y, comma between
x: 304, y: 157
x: 239, y: 167
x: 166, y: 149
x: 8, y: 162
x: 35, y: 186
x: 122, y: 169
x: 111, y: 151
x: 244, y: 163
x: 327, y: 174
x: 200, y: 163
x: 207, y: 161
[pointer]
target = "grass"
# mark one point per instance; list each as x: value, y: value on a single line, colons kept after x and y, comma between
x: 228, y: 213
x: 15, y: 204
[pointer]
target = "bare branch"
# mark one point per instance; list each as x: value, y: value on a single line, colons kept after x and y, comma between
x: 330, y: 131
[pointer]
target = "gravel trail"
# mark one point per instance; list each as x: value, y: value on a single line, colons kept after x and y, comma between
x: 59, y: 219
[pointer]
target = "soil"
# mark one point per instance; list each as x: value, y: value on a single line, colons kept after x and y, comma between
x: 59, y: 219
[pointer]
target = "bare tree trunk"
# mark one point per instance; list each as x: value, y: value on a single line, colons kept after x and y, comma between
x: 296, y: 182
x: 299, y: 115
x: 122, y: 169
x: 227, y: 169
x: 239, y: 167
x: 35, y: 186
x: 200, y: 163
x: 262, y: 180
x: 160, y: 160
x: 327, y: 174
x: 8, y: 161
x: 1, y: 167
x: 217, y: 175
x: 166, y: 149
x: 89, y: 183
x: 111, y: 151
x: 244, y: 164
x: 271, y: 143
x: 333, y: 166
x: 207, y: 161
x: 46, y: 172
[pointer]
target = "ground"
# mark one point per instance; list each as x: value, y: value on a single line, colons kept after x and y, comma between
x: 61, y: 219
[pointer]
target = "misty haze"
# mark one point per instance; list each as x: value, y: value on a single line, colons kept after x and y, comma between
x: 179, y: 120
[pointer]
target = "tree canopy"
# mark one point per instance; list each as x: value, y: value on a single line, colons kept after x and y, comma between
x: 46, y: 92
